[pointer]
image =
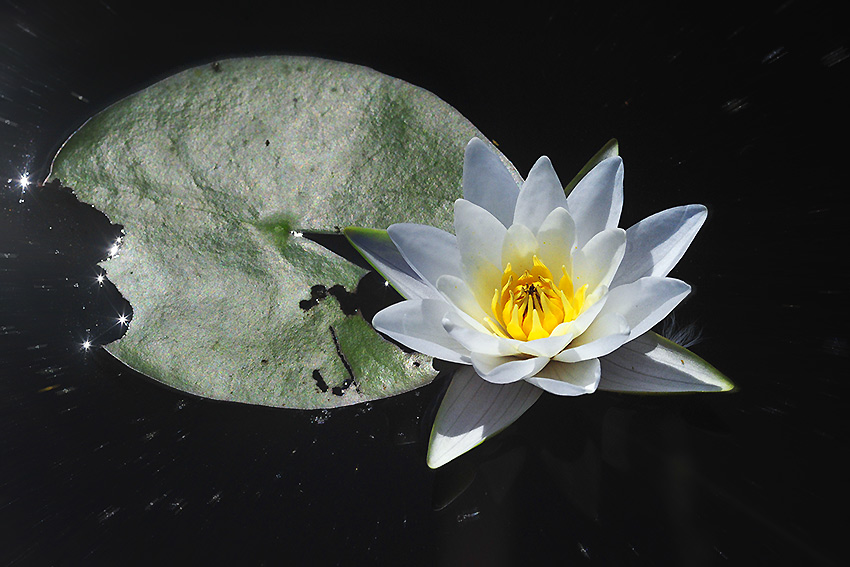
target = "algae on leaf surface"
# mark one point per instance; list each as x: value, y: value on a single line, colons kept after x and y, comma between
x: 214, y: 172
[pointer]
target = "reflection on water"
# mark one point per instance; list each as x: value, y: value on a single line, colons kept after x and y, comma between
x: 615, y: 479
x: 115, y: 248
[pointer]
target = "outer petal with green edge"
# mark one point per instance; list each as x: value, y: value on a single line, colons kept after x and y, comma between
x: 431, y: 252
x: 653, y: 364
x: 474, y: 410
x: 610, y: 149
x: 378, y: 249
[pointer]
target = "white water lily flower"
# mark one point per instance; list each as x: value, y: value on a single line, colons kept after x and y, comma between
x: 536, y: 290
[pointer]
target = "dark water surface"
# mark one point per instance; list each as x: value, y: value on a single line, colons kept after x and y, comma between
x: 742, y: 108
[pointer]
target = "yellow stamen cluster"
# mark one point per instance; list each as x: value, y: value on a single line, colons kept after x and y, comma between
x: 529, y: 306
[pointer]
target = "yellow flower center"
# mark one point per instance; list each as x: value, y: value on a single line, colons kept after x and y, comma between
x: 530, y: 306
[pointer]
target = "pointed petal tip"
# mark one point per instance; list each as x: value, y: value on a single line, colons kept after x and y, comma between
x: 698, y: 211
x: 460, y: 203
x: 441, y: 453
x: 476, y: 143
x: 542, y: 161
x: 489, y: 180
x: 476, y: 149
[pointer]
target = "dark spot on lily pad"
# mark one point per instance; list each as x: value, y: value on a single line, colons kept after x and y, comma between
x: 317, y: 292
x: 320, y: 381
x: 340, y: 390
x: 347, y: 300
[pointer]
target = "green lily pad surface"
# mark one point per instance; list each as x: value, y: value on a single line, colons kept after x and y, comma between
x: 214, y: 173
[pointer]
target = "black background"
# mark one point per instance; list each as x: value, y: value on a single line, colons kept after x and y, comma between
x: 739, y: 106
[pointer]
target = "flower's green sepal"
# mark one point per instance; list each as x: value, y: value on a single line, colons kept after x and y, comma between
x: 610, y: 149
x: 378, y: 249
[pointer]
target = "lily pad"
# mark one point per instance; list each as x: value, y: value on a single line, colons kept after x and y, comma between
x: 215, y: 173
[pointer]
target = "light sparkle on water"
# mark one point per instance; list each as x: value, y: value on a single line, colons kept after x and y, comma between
x: 113, y: 251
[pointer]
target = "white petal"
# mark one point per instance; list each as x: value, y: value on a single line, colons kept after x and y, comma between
x: 488, y: 183
x: 479, y: 240
x: 651, y: 363
x: 646, y: 302
x: 566, y: 379
x: 458, y: 294
x: 606, y: 334
x: 479, y: 234
x: 504, y: 370
x: 548, y: 346
x: 556, y: 239
x: 597, y: 201
x: 656, y: 244
x: 418, y: 324
x: 431, y: 252
x: 541, y: 194
x: 379, y: 250
x: 598, y: 261
x: 474, y: 340
x: 518, y: 248
x: 473, y: 410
